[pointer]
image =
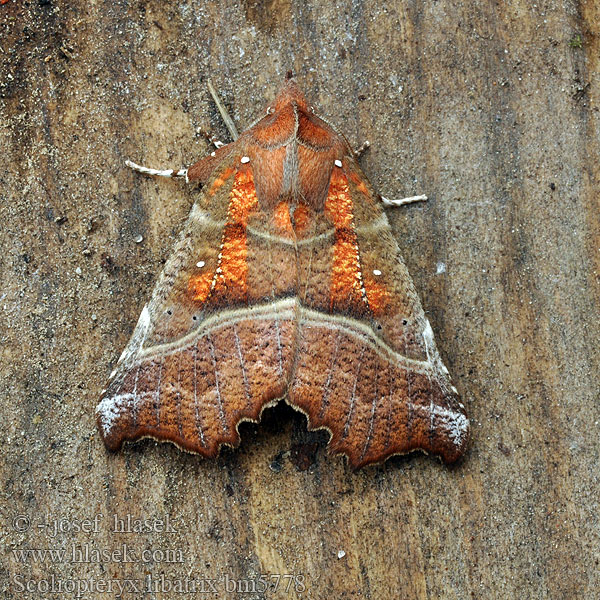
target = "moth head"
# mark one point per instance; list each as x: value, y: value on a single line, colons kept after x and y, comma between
x: 289, y: 94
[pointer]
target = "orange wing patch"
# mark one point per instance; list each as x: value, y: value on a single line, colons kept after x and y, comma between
x: 301, y: 219
x: 282, y: 218
x: 228, y: 282
x: 360, y: 184
x: 291, y: 221
x: 350, y: 289
x: 347, y: 287
x: 231, y: 276
x: 378, y: 296
x: 199, y: 286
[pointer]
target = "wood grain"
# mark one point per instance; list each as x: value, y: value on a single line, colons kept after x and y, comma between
x: 491, y: 109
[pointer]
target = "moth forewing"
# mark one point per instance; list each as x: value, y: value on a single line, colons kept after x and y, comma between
x: 286, y: 283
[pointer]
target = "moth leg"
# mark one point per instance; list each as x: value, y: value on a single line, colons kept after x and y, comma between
x: 402, y: 201
x: 361, y: 149
x: 213, y: 139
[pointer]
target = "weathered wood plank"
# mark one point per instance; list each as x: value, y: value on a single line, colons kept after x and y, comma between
x: 490, y: 109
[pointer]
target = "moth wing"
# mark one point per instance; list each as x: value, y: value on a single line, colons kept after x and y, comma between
x: 203, y: 357
x: 367, y: 368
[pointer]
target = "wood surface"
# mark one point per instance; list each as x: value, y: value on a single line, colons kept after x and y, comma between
x: 489, y: 108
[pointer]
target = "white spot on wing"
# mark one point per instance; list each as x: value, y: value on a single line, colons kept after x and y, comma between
x: 200, y: 264
x: 454, y: 423
x: 440, y: 268
x: 338, y: 163
x: 245, y: 159
x: 110, y: 409
x: 376, y: 272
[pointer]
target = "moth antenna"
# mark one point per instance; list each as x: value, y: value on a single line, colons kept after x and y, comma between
x: 172, y: 173
x: 223, y: 112
x: 403, y: 201
x: 364, y: 146
x: 213, y: 139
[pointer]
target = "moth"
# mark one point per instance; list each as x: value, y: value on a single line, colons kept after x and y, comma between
x: 286, y: 283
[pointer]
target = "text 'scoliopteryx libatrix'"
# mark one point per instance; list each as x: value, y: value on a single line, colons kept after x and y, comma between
x: 286, y: 282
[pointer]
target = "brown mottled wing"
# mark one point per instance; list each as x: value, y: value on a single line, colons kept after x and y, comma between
x: 209, y: 350
x: 367, y: 367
